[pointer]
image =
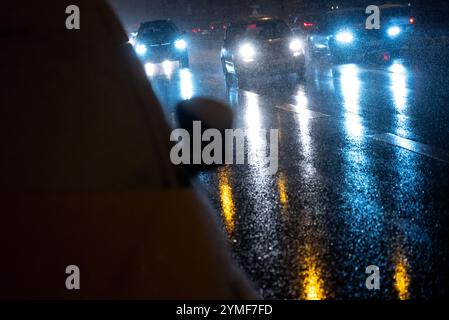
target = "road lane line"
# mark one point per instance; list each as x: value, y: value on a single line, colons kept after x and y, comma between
x: 417, y: 147
x: 306, y: 112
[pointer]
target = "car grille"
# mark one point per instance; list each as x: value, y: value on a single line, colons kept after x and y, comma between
x: 276, y: 50
x: 160, y: 50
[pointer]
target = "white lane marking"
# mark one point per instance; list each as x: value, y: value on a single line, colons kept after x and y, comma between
x: 417, y: 147
x: 302, y: 111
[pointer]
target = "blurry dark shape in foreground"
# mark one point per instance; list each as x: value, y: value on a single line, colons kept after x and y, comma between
x: 86, y: 175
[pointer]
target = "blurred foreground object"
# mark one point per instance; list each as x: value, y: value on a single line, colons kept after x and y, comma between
x: 86, y: 176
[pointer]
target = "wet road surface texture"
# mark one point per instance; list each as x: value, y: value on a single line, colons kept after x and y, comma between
x: 363, y: 175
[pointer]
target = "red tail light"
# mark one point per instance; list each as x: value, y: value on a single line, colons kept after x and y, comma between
x: 308, y: 24
x: 252, y: 26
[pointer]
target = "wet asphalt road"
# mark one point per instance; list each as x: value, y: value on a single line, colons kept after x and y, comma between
x: 363, y: 176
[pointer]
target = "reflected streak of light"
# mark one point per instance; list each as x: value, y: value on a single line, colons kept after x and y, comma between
x: 226, y: 200
x: 313, y: 285
x: 306, y: 144
x: 400, y: 94
x: 402, y: 125
x: 353, y: 125
x: 302, y: 102
x: 304, y: 127
x: 402, y: 279
x: 398, y: 86
x: 150, y: 69
x: 167, y: 66
x: 186, y: 84
x: 252, y: 111
x: 282, y: 189
x: 350, y: 87
x: 256, y: 142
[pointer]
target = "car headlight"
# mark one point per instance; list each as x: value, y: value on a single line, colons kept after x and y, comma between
x: 345, y: 37
x: 141, y: 49
x: 296, y: 45
x: 181, y: 44
x: 247, y: 52
x: 394, y: 31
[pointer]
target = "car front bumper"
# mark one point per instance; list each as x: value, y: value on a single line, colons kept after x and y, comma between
x: 158, y: 55
x: 368, y: 46
x: 274, y: 66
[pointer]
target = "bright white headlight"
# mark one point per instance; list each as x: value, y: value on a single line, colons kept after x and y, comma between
x: 345, y: 37
x: 150, y: 69
x: 394, y: 31
x: 296, y: 45
x: 180, y: 44
x: 141, y: 49
x: 247, y: 52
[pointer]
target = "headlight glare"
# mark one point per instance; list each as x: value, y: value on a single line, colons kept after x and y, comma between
x: 181, y: 44
x: 394, y: 31
x: 345, y: 37
x: 296, y: 45
x: 141, y: 49
x: 247, y: 52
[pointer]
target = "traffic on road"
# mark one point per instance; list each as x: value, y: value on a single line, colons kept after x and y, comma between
x: 363, y: 149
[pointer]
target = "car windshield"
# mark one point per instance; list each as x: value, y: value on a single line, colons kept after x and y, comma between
x: 350, y: 17
x: 157, y: 30
x: 263, y: 30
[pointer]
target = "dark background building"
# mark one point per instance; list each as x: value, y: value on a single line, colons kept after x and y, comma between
x: 201, y: 12
x: 189, y: 13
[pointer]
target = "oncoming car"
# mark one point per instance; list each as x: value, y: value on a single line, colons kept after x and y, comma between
x: 159, y: 41
x: 261, y: 46
x: 343, y: 34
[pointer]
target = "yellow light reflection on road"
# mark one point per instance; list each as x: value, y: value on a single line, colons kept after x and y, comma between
x: 282, y: 189
x: 313, y: 286
x: 402, y: 278
x: 226, y: 200
x: 313, y: 283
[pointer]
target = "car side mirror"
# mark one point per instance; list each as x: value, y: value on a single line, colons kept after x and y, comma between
x: 202, y: 125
